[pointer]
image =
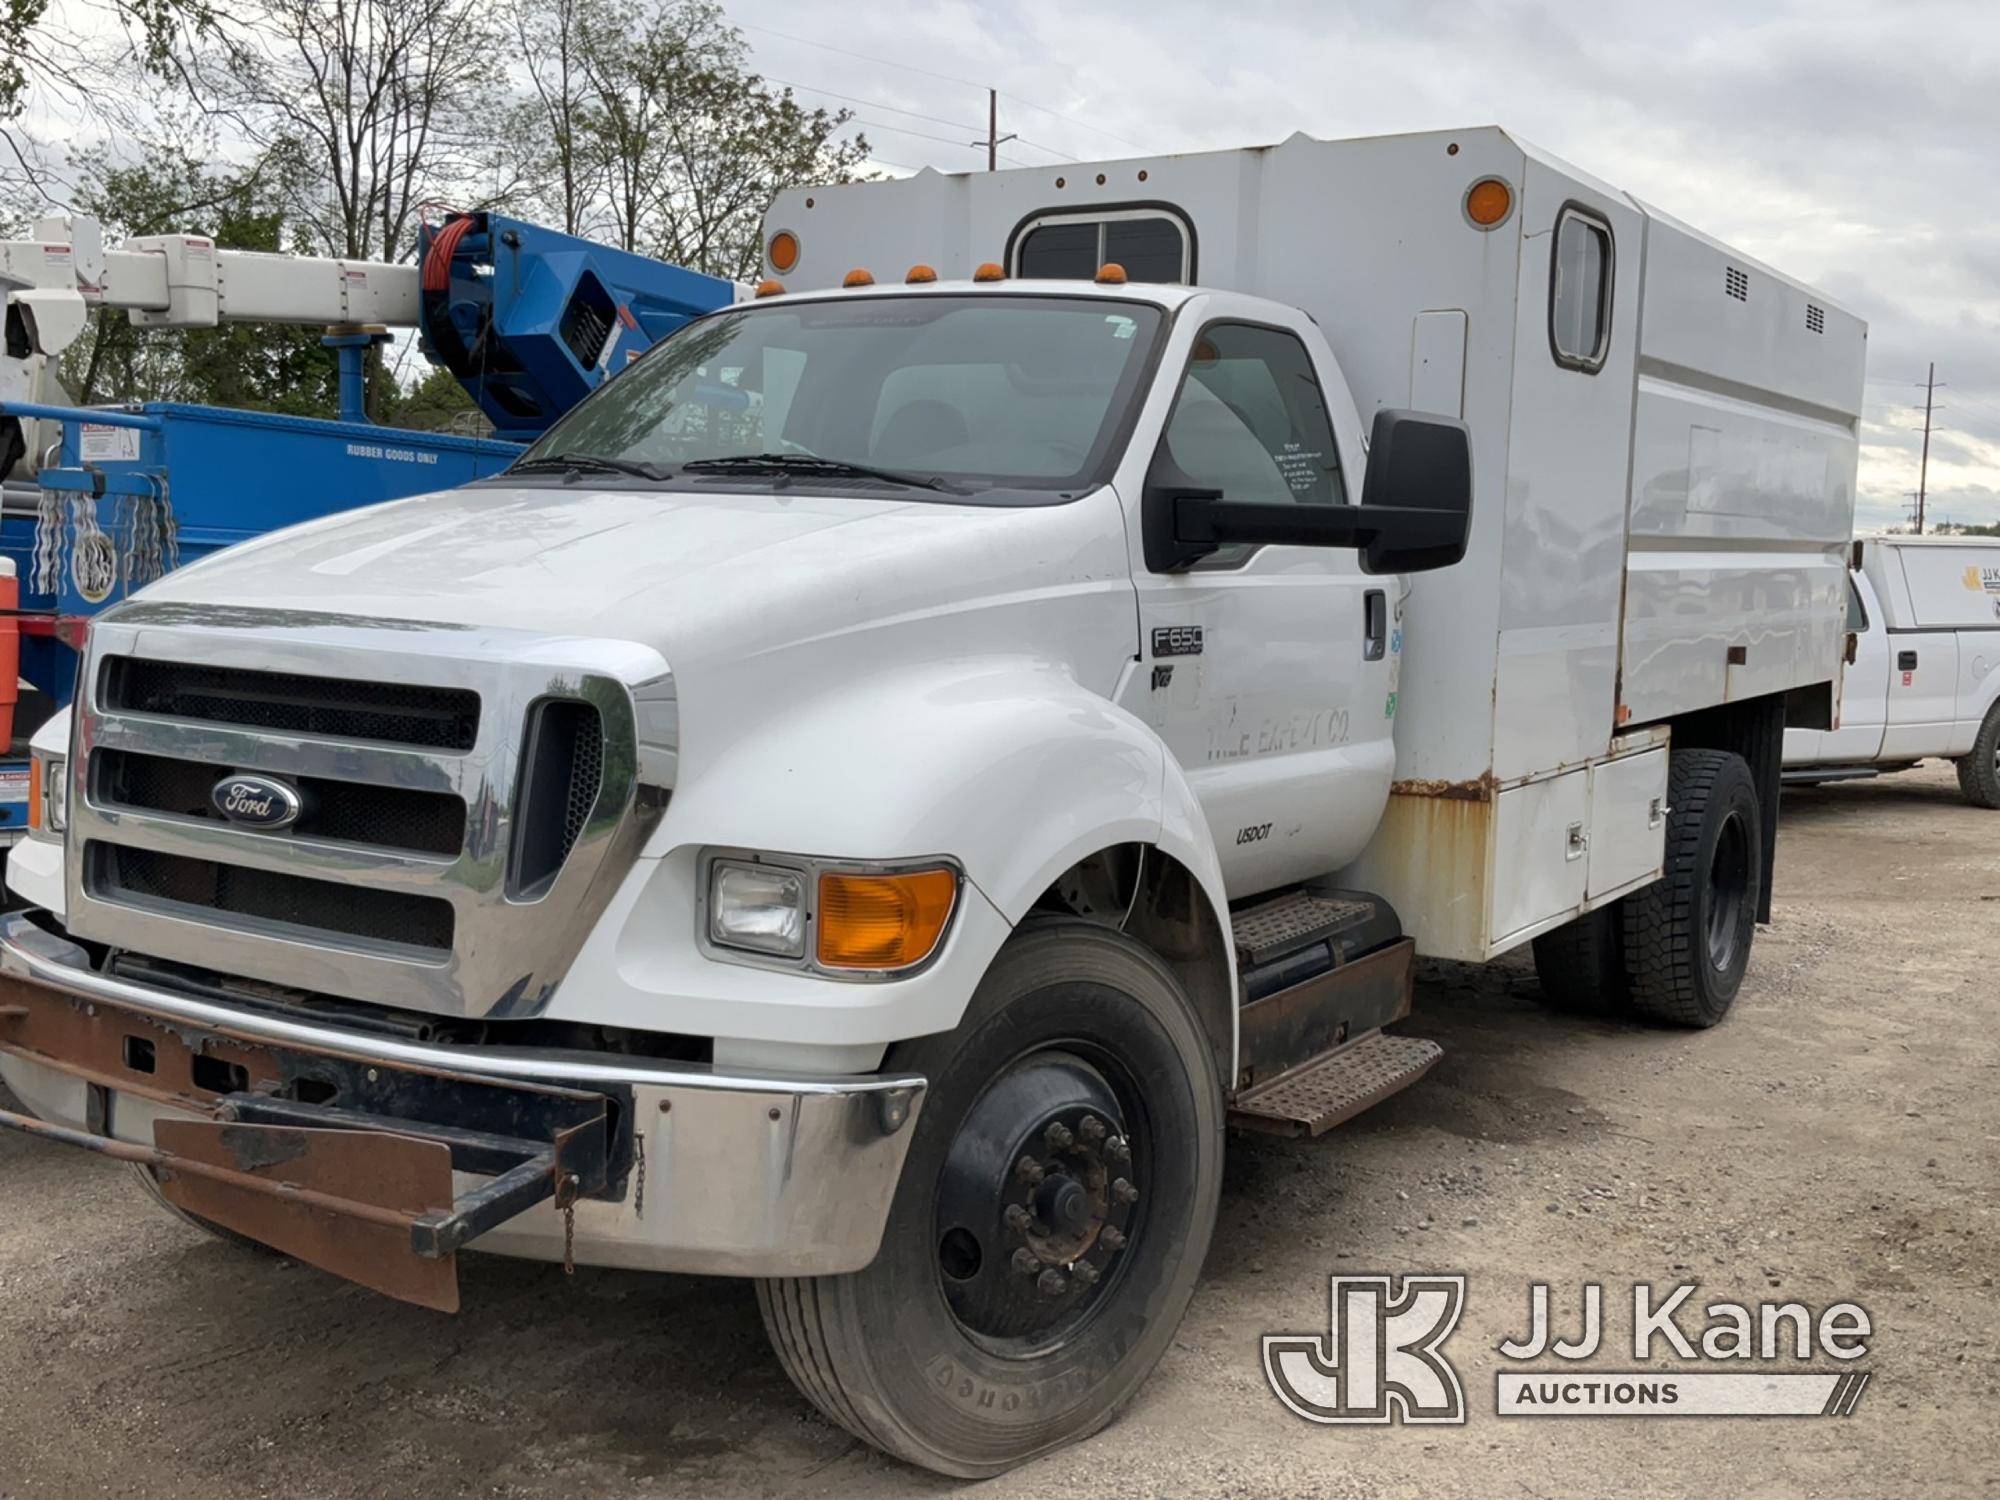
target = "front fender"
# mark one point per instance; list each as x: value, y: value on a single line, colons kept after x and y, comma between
x: 1012, y: 767
x: 1009, y: 766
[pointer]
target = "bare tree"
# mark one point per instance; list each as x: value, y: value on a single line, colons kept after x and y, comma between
x: 382, y: 102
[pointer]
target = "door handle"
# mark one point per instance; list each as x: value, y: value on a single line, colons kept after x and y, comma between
x: 1375, y: 625
x: 1906, y: 661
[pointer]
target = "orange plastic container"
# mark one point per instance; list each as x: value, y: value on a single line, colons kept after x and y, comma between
x: 10, y: 649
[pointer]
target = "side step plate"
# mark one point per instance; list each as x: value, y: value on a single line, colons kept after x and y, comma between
x: 1316, y: 1096
x: 1268, y: 931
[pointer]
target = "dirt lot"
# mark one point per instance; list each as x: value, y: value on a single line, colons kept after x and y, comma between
x: 1838, y: 1137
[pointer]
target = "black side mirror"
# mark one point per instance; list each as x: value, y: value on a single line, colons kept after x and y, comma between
x: 1420, y: 466
x: 1415, y: 512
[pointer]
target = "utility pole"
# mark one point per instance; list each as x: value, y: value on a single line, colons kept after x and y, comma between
x: 1924, y: 467
x: 994, y: 139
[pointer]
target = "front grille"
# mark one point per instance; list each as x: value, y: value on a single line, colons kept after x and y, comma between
x: 561, y: 775
x: 388, y: 712
x: 201, y: 887
x: 343, y: 812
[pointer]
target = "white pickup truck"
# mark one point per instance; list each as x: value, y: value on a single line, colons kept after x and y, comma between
x: 1923, y: 679
x: 874, y: 791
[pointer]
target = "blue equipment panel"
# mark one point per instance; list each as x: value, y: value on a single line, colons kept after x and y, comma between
x: 532, y: 320
x: 163, y: 484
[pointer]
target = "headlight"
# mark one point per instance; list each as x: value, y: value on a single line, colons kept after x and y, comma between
x: 758, y: 907
x: 865, y: 921
x: 48, y: 793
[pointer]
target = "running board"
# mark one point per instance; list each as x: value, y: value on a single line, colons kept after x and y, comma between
x: 1335, y: 1087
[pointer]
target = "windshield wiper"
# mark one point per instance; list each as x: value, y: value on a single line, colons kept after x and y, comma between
x: 579, y: 463
x: 812, y: 463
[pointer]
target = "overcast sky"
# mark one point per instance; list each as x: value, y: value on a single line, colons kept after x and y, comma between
x: 1854, y: 145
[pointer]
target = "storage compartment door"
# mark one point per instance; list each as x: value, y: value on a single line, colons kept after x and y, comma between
x: 1628, y: 821
x: 1540, y: 858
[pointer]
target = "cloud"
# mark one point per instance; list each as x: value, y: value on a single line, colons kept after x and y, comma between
x: 1846, y: 142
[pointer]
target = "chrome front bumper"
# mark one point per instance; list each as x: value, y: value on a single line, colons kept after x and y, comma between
x: 739, y: 1175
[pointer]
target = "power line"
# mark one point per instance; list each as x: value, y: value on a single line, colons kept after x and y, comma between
x: 806, y: 41
x: 873, y: 104
x: 889, y: 62
x: 1080, y: 124
x: 943, y: 140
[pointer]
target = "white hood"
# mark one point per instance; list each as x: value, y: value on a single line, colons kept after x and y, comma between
x: 709, y: 580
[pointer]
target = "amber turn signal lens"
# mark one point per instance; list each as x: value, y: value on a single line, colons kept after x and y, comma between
x: 857, y: 277
x: 1488, y: 202
x: 35, y: 792
x: 1111, y: 274
x: 989, y: 271
x: 783, y: 251
x: 770, y: 289
x: 883, y: 921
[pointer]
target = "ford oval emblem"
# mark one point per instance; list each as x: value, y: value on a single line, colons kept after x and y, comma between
x: 257, y: 801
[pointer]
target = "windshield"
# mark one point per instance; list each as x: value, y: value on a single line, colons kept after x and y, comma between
x: 964, y: 393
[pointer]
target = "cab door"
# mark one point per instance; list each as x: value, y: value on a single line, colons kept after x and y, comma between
x: 1270, y: 672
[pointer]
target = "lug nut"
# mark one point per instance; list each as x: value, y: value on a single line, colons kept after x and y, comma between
x: 1058, y: 1137
x: 1052, y: 1283
x: 1026, y: 1262
x: 1016, y: 1217
x: 1117, y: 1150
x: 1028, y: 1170
x: 1124, y: 1192
x: 1092, y: 1128
x: 1085, y: 1273
x: 1112, y: 1237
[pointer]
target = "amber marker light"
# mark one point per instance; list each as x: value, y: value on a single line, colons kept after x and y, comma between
x: 919, y: 275
x: 1111, y: 274
x: 770, y: 289
x: 883, y: 921
x: 1488, y: 202
x: 857, y: 277
x: 990, y: 271
x: 35, y: 792
x: 783, y: 251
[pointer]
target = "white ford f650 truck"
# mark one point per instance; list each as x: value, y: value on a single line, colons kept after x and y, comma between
x: 872, y: 794
x: 1924, y: 679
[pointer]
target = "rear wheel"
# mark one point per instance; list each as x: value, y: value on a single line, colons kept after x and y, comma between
x: 1050, y: 1224
x: 1688, y: 935
x: 1582, y: 964
x: 1979, y: 771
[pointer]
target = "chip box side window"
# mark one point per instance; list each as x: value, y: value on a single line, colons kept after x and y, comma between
x: 1152, y: 244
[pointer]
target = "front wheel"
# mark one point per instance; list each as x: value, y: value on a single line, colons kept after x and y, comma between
x: 1050, y: 1224
x: 1979, y: 771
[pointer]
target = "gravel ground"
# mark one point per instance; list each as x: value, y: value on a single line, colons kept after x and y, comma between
x: 1838, y: 1138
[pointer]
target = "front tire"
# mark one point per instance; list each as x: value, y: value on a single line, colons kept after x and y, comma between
x: 1688, y: 935
x: 1051, y: 1221
x: 1979, y: 770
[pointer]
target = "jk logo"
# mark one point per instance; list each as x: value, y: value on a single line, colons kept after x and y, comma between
x: 1379, y: 1359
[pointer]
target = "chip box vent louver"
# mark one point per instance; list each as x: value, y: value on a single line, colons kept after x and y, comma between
x: 1815, y: 318
x: 1737, y: 283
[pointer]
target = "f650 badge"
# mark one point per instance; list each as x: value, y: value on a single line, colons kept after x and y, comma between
x: 257, y: 801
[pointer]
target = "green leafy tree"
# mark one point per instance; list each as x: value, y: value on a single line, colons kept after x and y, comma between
x: 260, y: 367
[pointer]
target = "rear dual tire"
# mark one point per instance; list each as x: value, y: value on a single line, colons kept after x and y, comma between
x: 972, y: 1343
x: 1676, y: 951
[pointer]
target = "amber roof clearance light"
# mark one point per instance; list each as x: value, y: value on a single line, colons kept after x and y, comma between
x: 857, y: 277
x: 1111, y: 274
